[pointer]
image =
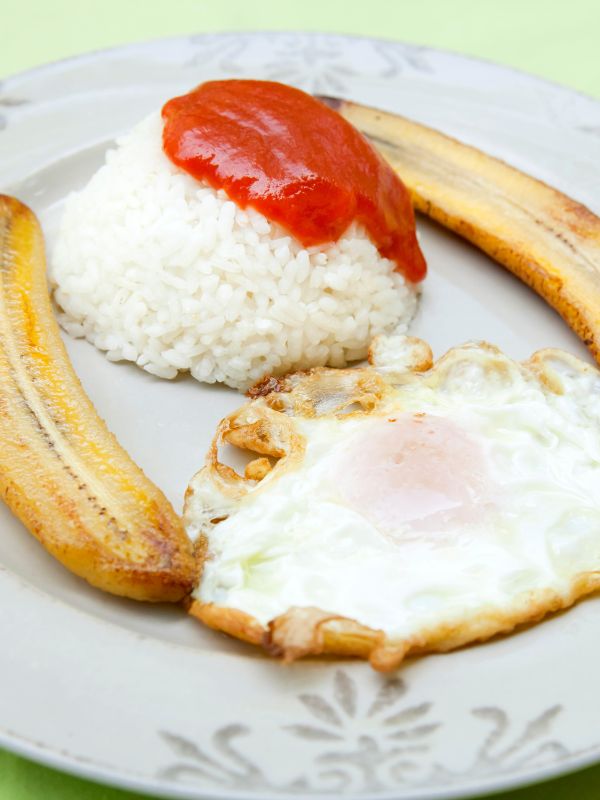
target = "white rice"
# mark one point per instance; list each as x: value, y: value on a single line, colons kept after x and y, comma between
x: 155, y: 267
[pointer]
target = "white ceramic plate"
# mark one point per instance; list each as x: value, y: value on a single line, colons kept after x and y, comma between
x: 144, y: 697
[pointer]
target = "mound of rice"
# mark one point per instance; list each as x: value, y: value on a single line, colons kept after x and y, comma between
x: 156, y: 267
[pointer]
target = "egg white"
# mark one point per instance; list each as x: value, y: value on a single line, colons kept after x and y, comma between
x: 525, y: 519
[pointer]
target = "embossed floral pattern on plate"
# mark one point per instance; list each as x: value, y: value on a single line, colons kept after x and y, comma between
x: 368, y: 745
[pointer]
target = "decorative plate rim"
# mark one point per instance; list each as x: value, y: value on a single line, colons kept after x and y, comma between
x: 88, y: 769
x: 100, y: 51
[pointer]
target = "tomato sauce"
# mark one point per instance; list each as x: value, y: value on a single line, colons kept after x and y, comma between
x: 295, y: 160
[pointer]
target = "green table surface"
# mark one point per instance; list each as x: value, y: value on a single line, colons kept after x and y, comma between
x: 557, y: 41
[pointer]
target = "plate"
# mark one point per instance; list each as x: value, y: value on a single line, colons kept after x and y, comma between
x: 144, y: 697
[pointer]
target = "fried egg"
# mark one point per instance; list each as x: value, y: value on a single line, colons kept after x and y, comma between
x: 402, y: 507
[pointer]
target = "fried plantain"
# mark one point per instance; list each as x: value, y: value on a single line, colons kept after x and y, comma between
x: 548, y: 240
x: 61, y: 471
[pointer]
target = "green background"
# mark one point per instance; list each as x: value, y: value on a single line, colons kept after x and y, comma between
x: 559, y: 41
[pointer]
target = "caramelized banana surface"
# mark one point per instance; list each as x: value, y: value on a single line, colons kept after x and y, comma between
x: 548, y: 240
x: 61, y: 470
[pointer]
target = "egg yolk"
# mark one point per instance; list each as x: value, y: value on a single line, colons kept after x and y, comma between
x: 416, y: 472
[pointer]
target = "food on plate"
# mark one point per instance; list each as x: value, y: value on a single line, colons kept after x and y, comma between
x: 393, y: 509
x: 548, y: 240
x: 248, y: 230
x: 403, y: 507
x: 61, y: 471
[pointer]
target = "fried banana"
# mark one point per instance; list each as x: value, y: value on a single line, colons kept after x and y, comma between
x: 61, y: 471
x: 548, y: 240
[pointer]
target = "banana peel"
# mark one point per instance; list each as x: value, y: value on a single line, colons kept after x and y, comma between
x: 61, y: 471
x: 548, y: 240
